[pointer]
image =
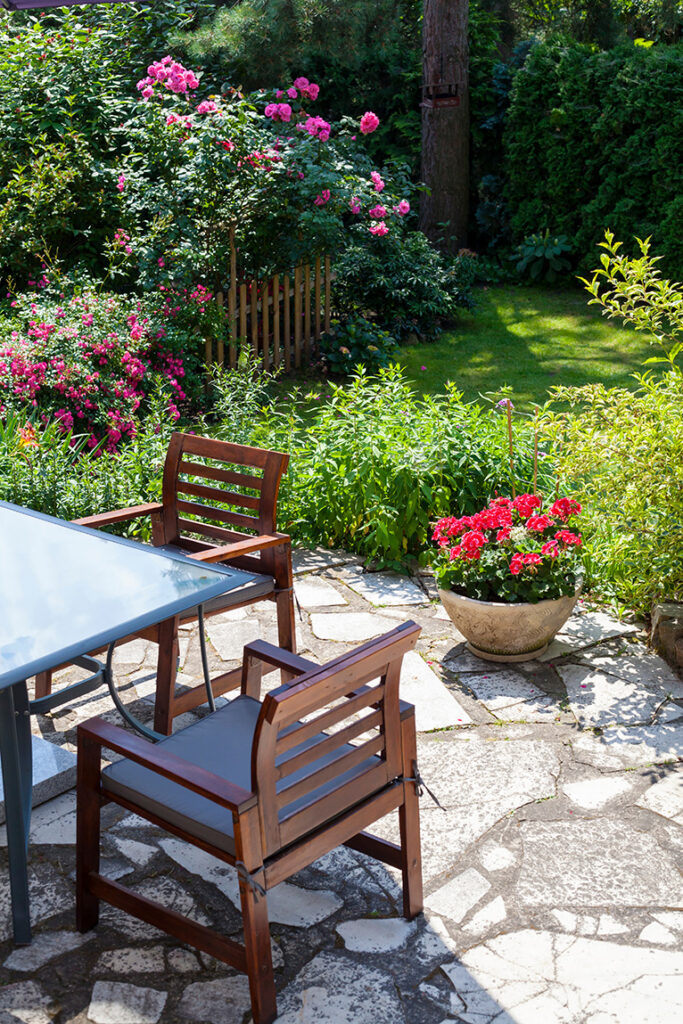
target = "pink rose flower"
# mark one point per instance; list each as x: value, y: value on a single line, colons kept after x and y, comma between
x: 322, y: 199
x: 377, y: 181
x: 369, y: 123
x: 378, y: 212
x: 292, y: 93
x: 301, y: 83
x: 284, y: 111
x: 121, y: 182
x: 312, y: 91
x: 271, y: 110
x: 354, y: 203
x: 379, y: 229
x: 403, y: 208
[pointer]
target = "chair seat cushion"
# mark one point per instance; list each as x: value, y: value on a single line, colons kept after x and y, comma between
x: 220, y: 743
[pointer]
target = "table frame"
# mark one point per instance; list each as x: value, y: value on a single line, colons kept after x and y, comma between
x: 16, y: 709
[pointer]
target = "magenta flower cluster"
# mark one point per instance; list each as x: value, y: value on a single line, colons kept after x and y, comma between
x: 168, y: 74
x: 87, y: 364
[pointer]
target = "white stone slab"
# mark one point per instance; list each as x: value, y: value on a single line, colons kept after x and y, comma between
x: 665, y: 797
x: 316, y: 593
x: 115, y: 1002
x: 495, y: 857
x: 566, y: 920
x: 54, y: 772
x: 287, y: 903
x: 643, y: 667
x: 435, y: 705
x: 671, y: 919
x: 594, y: 863
x: 479, y: 783
x: 658, y: 934
x: 26, y: 1002
x: 631, y: 747
x: 493, y: 913
x: 139, y: 853
x: 593, y: 627
x: 224, y: 1001
x: 454, y: 899
x: 376, y: 934
x: 49, y: 894
x: 333, y: 989
x: 608, y: 925
x: 53, y: 823
x: 349, y: 627
x: 314, y: 559
x: 595, y: 793
x: 132, y: 960
x: 386, y: 589
x: 600, y: 700
x: 43, y: 948
x: 228, y: 637
x: 501, y: 689
x: 570, y: 980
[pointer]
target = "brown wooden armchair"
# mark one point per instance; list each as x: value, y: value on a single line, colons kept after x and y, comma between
x: 266, y: 786
x: 219, y: 504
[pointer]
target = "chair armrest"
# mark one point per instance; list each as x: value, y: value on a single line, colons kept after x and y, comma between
x: 240, y: 547
x: 212, y: 787
x: 279, y: 657
x: 119, y: 515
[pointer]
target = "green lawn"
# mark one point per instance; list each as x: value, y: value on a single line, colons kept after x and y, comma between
x: 529, y: 338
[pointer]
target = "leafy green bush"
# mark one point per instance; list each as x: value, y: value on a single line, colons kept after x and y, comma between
x: 374, y: 466
x: 542, y: 257
x: 623, y: 452
x: 595, y: 140
x: 632, y: 289
x: 356, y: 341
x: 404, y: 280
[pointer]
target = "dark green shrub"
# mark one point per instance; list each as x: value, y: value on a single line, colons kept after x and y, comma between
x: 542, y: 257
x: 356, y: 341
x: 595, y: 141
x: 404, y: 280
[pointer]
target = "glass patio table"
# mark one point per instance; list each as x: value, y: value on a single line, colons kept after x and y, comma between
x: 66, y: 590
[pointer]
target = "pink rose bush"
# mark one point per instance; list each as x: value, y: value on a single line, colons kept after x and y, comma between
x: 296, y: 181
x: 511, y: 550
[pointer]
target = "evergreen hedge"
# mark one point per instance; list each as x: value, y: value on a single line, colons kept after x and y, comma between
x: 594, y: 140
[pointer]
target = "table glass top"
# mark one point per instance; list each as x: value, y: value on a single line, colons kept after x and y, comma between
x: 66, y: 590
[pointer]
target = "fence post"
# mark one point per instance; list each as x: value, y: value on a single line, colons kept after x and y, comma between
x: 276, y: 320
x: 327, y: 293
x: 288, y: 326
x: 265, y: 287
x: 307, y: 312
x: 232, y: 299
x: 297, y: 317
x: 317, y: 298
x: 254, y: 318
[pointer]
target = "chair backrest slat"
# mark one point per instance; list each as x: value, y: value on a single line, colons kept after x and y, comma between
x: 216, y: 533
x: 225, y: 476
x: 191, y: 462
x: 344, y: 761
x: 215, y: 494
x: 220, y: 515
x: 293, y: 736
x: 326, y: 696
x: 328, y: 746
x: 309, y: 818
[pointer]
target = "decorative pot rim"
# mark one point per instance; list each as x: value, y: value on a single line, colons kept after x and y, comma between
x: 516, y: 604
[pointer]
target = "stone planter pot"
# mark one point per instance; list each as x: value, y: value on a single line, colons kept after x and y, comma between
x: 497, y: 631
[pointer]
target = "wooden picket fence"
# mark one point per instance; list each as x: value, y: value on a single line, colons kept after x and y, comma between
x: 278, y: 319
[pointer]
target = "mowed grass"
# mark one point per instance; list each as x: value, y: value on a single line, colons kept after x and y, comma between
x: 530, y: 339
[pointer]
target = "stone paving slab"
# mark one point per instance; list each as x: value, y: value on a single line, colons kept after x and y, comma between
x: 552, y: 873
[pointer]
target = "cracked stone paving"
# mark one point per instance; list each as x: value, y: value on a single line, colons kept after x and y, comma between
x: 553, y: 886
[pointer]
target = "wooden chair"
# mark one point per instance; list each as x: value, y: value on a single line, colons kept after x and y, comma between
x: 267, y: 786
x: 219, y: 504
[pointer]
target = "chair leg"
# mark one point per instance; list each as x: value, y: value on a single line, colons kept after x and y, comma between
x: 255, y: 918
x: 43, y: 684
x: 87, y: 832
x: 409, y: 823
x: 167, y: 666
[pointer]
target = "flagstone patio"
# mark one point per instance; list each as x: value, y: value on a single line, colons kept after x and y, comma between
x: 552, y: 870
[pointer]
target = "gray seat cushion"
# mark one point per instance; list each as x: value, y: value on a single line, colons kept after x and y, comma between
x: 220, y: 743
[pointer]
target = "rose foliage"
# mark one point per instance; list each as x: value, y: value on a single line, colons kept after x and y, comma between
x: 511, y: 550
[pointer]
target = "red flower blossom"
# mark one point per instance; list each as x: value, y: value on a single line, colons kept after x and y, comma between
x: 525, y: 504
x: 563, y: 508
x: 568, y: 539
x: 539, y: 523
x: 551, y: 549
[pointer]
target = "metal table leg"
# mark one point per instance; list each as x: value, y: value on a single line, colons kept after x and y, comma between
x: 17, y: 777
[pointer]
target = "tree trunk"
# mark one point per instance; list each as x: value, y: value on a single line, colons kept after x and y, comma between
x: 445, y: 129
